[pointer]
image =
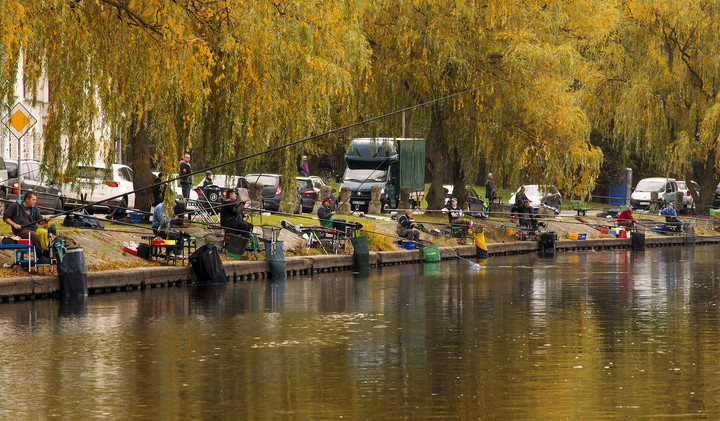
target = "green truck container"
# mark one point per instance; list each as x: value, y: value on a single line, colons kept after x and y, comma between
x: 387, y: 162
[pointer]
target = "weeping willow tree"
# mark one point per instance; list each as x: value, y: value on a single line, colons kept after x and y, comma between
x: 525, y: 117
x: 220, y: 79
x: 657, y: 88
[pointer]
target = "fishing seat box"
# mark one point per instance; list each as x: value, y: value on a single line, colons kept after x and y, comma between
x: 143, y: 251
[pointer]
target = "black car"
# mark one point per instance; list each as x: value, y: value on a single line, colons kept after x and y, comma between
x: 49, y: 197
x: 272, y: 189
x: 308, y: 194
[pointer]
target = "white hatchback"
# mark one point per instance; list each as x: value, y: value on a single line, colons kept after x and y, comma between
x: 95, y: 183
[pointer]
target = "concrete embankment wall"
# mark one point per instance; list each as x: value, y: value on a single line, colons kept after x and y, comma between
x: 36, y: 286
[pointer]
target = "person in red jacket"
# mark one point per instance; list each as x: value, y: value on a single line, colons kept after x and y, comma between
x: 625, y: 219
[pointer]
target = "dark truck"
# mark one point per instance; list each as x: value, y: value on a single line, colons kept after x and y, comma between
x: 386, y: 162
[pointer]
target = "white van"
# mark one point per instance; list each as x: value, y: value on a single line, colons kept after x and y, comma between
x: 666, y: 188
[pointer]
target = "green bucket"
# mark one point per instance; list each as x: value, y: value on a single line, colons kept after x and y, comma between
x: 432, y: 253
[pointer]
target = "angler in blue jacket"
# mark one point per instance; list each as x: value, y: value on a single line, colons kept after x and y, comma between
x: 671, y: 221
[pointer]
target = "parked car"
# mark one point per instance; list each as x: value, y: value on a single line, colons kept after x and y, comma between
x: 95, y: 183
x: 473, y: 201
x: 272, y: 189
x: 666, y: 188
x: 49, y: 196
x: 716, y: 197
x: 688, y: 202
x: 3, y: 182
x: 540, y: 195
x: 308, y: 193
x: 219, y: 187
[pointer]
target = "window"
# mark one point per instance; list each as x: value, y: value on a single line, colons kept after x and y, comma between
x: 125, y: 174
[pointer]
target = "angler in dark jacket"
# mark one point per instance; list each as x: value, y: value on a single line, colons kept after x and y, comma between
x: 232, y: 215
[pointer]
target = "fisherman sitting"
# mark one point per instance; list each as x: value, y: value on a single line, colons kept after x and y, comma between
x: 520, y: 199
x: 671, y: 221
x: 232, y: 216
x: 407, y: 227
x: 163, y: 216
x: 625, y: 218
x: 23, y: 216
x: 326, y: 215
x: 527, y: 216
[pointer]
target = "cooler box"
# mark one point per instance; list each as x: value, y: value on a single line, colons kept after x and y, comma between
x: 136, y: 216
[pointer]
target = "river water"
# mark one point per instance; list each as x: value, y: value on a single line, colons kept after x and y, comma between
x: 589, y: 335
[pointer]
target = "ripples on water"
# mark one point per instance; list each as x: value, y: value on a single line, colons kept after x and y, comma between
x: 596, y: 335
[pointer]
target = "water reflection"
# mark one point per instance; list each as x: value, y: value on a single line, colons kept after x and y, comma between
x: 611, y: 334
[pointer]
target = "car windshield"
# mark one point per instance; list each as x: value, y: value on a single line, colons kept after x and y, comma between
x: 227, y: 181
x: 304, y: 184
x: 266, y: 180
x: 650, y: 185
x: 92, y: 173
x: 365, y: 175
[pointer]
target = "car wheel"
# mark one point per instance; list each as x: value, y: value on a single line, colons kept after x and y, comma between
x: 385, y: 207
x: 3, y: 197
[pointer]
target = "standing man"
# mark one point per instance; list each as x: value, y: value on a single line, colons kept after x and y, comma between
x: 23, y: 216
x: 158, y: 190
x: 208, y: 179
x: 186, y: 179
x: 453, y: 211
x: 489, y: 191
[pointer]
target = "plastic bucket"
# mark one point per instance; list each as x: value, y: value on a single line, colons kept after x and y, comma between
x: 408, y: 245
x: 574, y: 235
x: 432, y: 253
x: 136, y: 217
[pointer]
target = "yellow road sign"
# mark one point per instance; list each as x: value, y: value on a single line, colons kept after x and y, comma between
x: 19, y: 120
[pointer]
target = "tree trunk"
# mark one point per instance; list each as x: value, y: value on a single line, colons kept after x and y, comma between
x: 140, y: 163
x: 704, y: 176
x: 436, y: 152
x: 459, y: 183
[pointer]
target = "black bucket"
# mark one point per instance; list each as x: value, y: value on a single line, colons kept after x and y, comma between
x: 276, y: 258
x: 361, y: 253
x: 637, y: 240
x: 72, y: 273
x: 207, y: 266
